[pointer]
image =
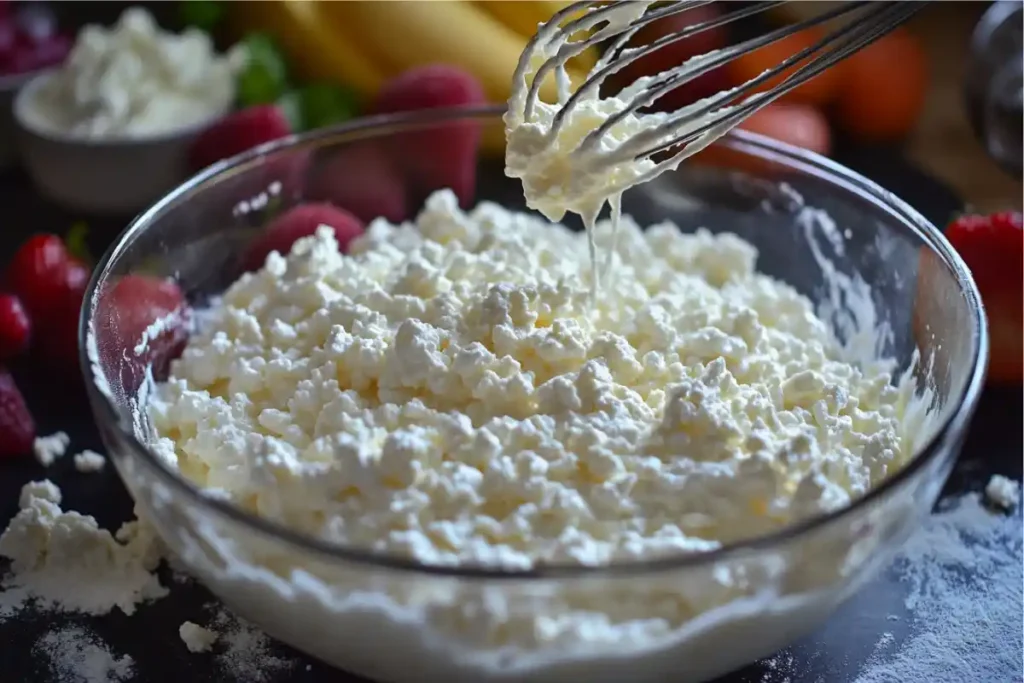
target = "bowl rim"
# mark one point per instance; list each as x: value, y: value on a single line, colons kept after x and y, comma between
x: 942, y: 440
x: 25, y: 124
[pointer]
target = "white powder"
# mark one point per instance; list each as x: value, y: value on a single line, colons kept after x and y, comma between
x: 75, y: 655
x: 247, y: 652
x: 964, y: 571
x: 961, y: 576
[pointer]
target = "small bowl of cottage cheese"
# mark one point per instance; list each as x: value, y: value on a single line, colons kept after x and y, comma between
x: 108, y: 131
x: 474, y: 444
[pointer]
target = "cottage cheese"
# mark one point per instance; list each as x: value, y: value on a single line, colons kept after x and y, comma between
x: 89, y: 461
x: 565, y: 160
x: 65, y: 558
x: 135, y: 80
x: 196, y: 638
x: 1002, y: 492
x: 447, y: 394
x: 48, y: 449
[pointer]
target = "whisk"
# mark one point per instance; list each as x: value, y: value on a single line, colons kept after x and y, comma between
x: 707, y: 119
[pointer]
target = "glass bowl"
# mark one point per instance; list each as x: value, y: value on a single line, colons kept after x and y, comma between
x: 675, y: 618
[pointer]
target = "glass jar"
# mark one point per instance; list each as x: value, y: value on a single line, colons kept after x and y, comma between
x: 995, y: 83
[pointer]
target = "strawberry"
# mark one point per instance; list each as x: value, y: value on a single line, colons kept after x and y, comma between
x: 238, y: 132
x: 15, y: 328
x: 17, y: 428
x: 993, y: 248
x: 362, y: 179
x: 126, y: 333
x: 444, y: 155
x: 37, y: 272
x: 301, y: 221
x: 57, y: 333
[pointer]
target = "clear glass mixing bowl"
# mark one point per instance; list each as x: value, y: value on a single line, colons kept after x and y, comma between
x: 693, y: 617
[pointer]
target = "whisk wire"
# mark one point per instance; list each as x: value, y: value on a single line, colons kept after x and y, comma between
x: 622, y: 19
x: 674, y: 80
x: 847, y: 40
x: 615, y: 58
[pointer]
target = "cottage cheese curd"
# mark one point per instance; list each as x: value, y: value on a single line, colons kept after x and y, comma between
x: 446, y: 393
x: 570, y: 155
x: 135, y: 80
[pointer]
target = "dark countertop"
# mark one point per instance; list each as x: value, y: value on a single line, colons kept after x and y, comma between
x: 836, y: 653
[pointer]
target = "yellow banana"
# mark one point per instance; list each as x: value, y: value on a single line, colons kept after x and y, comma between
x: 409, y: 33
x: 316, y: 49
x: 523, y: 16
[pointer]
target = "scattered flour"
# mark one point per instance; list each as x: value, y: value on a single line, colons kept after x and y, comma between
x: 964, y: 571
x: 962, y: 576
x: 47, y: 449
x: 247, y: 655
x: 76, y: 655
x: 89, y: 461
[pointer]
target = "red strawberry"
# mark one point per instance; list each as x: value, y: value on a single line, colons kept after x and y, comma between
x: 362, y: 179
x: 57, y: 332
x: 238, y: 132
x: 15, y: 328
x: 17, y: 428
x: 300, y: 221
x: 993, y: 249
x: 127, y: 335
x: 445, y: 155
x: 39, y: 273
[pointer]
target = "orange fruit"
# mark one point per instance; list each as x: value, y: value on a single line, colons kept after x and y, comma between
x: 820, y: 90
x: 884, y: 88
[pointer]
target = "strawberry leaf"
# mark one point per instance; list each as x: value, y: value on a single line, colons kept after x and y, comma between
x: 76, y: 244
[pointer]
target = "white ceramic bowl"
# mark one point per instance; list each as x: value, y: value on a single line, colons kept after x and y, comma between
x: 10, y: 85
x: 115, y: 176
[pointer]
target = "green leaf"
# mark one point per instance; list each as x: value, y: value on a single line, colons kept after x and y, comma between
x: 265, y: 76
x: 318, y: 105
x: 204, y: 15
x: 76, y: 244
x: 325, y: 105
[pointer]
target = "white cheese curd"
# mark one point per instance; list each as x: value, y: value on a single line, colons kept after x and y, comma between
x: 546, y: 142
x: 135, y: 80
x: 48, y: 449
x: 446, y: 393
x: 1002, y: 492
x: 196, y: 638
x: 89, y: 461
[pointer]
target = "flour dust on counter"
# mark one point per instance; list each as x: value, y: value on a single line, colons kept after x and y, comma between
x: 246, y: 656
x: 76, y: 655
x: 961, y: 580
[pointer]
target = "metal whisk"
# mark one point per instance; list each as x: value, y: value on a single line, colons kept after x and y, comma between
x: 619, y: 20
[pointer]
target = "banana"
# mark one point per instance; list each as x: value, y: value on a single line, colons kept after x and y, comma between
x: 317, y: 49
x: 523, y: 16
x: 408, y: 33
